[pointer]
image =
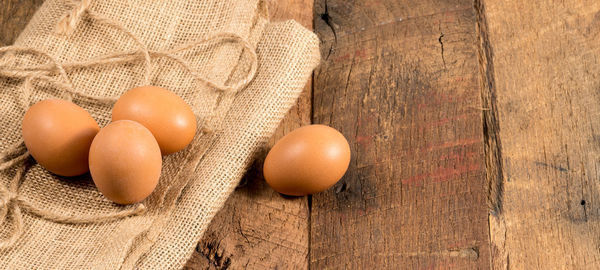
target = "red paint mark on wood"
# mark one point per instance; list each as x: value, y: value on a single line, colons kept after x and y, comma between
x: 441, y: 174
x: 362, y: 53
x: 416, y: 180
x: 463, y: 142
x: 444, y: 121
x: 445, y: 174
x: 461, y: 79
x: 432, y: 147
x: 449, y: 17
x: 341, y: 58
x: 458, y: 245
x: 363, y: 139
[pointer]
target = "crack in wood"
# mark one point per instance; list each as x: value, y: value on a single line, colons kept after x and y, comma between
x: 558, y: 168
x: 442, y: 45
x: 213, y: 252
x: 584, y: 210
x: 468, y: 253
x: 327, y: 19
x: 492, y: 144
x: 491, y: 127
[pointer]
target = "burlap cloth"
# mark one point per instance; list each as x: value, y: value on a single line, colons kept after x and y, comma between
x: 239, y: 73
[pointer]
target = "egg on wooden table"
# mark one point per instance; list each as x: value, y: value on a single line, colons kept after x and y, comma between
x: 166, y: 115
x: 125, y: 162
x: 58, y: 134
x: 308, y: 160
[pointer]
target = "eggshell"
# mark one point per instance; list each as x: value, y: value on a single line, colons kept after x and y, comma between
x: 125, y: 162
x: 309, y: 159
x: 58, y: 134
x: 166, y: 115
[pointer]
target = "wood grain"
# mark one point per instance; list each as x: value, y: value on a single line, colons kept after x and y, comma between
x: 258, y: 228
x: 401, y: 82
x: 14, y: 16
x: 545, y: 67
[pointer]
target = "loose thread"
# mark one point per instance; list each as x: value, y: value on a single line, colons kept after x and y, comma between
x: 69, y: 22
x: 8, y: 204
x: 72, y: 219
x: 14, y: 161
x: 13, y: 155
x: 129, y: 56
x: 143, y: 48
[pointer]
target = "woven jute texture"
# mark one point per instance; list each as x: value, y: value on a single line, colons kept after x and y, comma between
x: 239, y: 73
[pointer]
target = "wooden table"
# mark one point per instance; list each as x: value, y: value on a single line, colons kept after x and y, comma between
x: 474, y: 132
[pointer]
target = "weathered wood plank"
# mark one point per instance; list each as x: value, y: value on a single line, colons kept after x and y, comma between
x: 543, y: 59
x: 401, y: 82
x: 14, y: 16
x: 258, y: 228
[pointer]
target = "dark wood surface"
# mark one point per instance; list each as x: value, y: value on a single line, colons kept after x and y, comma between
x: 14, y: 15
x: 400, y: 80
x: 473, y: 132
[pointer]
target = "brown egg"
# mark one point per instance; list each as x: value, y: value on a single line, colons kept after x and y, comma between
x: 58, y: 134
x: 125, y: 162
x: 309, y: 159
x: 165, y: 114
